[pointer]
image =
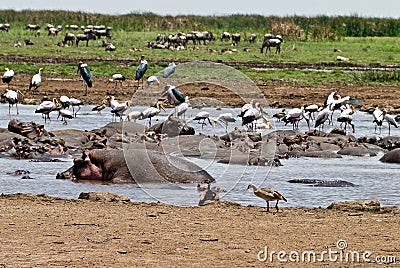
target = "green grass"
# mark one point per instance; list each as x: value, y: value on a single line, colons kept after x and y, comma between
x: 362, y: 51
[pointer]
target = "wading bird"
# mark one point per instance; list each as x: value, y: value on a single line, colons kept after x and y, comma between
x: 225, y: 118
x: 174, y: 96
x: 75, y: 103
x: 153, y: 80
x: 268, y: 194
x: 389, y: 119
x: 141, y: 70
x: 322, y: 116
x: 378, y: 119
x: 134, y: 115
x: 46, y: 107
x: 7, y: 76
x: 203, y: 115
x: 12, y: 98
x: 86, y: 75
x: 346, y: 116
x: 36, y: 80
x: 117, y: 78
x: 152, y: 111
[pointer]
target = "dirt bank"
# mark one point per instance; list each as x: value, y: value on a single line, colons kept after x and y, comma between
x: 49, y: 232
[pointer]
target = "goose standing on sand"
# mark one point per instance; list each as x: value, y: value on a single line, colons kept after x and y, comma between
x: 12, y: 98
x: 7, y: 76
x: 36, y: 80
x: 225, y: 118
x: 152, y: 111
x: 169, y: 70
x: 86, y: 75
x: 268, y: 194
x: 141, y: 70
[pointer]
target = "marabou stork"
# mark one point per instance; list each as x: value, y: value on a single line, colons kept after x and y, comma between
x: 169, y: 70
x: 174, y: 96
x: 141, y: 70
x: 86, y: 75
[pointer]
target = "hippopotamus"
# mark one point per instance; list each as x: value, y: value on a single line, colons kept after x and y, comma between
x: 135, y: 166
x: 391, y: 156
x: 323, y: 183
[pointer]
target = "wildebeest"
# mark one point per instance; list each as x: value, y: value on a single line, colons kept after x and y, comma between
x: 72, y: 27
x: 271, y: 40
x: 85, y: 37
x: 28, y: 42
x: 235, y: 39
x: 252, y: 38
x: 225, y: 36
x: 69, y: 38
x: 53, y: 31
x: 4, y: 27
x: 205, y: 36
x: 103, y: 32
x: 32, y: 27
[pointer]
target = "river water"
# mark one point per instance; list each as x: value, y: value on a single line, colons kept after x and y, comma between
x: 374, y: 180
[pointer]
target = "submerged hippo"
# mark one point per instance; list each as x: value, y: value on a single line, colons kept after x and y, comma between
x: 134, y: 165
x: 391, y: 156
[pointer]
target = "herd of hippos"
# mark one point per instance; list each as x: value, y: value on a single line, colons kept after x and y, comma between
x: 126, y: 151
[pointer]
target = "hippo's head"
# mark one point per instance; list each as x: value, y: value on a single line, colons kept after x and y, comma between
x: 83, y: 169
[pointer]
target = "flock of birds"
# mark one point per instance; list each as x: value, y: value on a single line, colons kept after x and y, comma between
x: 252, y: 114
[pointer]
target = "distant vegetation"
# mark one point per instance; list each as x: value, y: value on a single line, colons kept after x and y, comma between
x: 367, y: 42
x: 291, y: 27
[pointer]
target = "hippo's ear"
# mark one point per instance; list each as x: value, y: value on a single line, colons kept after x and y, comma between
x: 85, y: 156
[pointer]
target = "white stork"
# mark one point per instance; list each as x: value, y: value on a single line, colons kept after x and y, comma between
x: 116, y: 78
x: 7, y: 76
x: 12, y: 98
x: 225, y: 118
x: 141, y: 70
x: 86, y: 75
x: 36, y: 80
x: 152, y: 111
x: 169, y: 70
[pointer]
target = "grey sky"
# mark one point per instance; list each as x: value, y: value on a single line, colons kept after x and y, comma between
x: 366, y: 8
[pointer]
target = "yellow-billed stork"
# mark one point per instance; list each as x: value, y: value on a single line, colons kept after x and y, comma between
x: 12, y: 98
x: 7, y: 76
x: 36, y: 80
x: 225, y: 118
x: 46, y: 107
x: 152, y: 111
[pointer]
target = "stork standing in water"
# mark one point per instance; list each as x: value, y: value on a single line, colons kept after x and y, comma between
x: 75, y: 103
x: 268, y: 194
x: 46, y: 107
x: 250, y: 117
x: 346, y: 116
x: 7, y: 76
x: 389, y: 119
x: 225, y: 118
x: 152, y: 111
x: 182, y: 108
x: 12, y: 98
x: 169, y: 70
x: 141, y: 70
x: 36, y: 80
x: 378, y: 119
x: 203, y: 115
x: 117, y: 78
x: 86, y: 75
x: 294, y: 116
x: 322, y: 116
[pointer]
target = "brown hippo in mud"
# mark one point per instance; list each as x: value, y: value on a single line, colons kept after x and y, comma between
x: 134, y: 165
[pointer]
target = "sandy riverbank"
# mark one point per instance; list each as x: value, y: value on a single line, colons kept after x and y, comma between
x: 39, y: 231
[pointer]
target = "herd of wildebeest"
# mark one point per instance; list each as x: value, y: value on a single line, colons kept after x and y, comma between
x: 175, y: 41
